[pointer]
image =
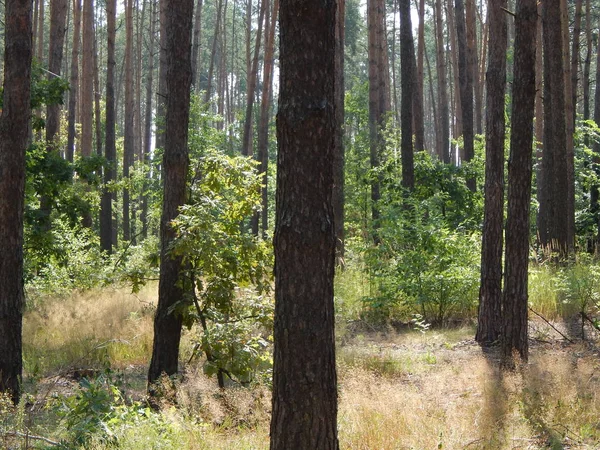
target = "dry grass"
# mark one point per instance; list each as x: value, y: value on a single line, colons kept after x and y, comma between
x: 397, y: 391
x: 89, y: 330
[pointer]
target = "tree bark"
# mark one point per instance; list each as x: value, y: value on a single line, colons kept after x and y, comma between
x: 148, y: 116
x: 14, y: 132
x: 465, y: 76
x: 74, y: 80
x: 167, y: 323
x: 514, y: 310
x: 489, y: 324
x: 340, y: 151
x: 553, y: 220
x: 106, y: 222
x: 442, y: 86
x: 407, y: 78
x: 304, y: 375
x: 197, y: 46
x: 379, y: 98
x: 87, y: 78
x: 129, y: 143
x: 265, y: 109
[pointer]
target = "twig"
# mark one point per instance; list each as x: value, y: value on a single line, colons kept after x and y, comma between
x: 552, y: 326
x: 31, y: 436
x: 509, y: 12
x: 594, y: 324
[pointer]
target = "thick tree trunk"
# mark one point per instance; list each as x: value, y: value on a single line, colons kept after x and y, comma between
x: 167, y: 323
x: 407, y: 78
x: 106, y: 222
x: 514, y: 311
x: 14, y: 132
x: 304, y: 375
x: 553, y: 223
x: 489, y: 325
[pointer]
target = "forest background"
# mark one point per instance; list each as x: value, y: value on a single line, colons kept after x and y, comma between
x: 414, y: 181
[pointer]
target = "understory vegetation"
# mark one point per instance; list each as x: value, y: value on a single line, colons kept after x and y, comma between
x: 410, y: 373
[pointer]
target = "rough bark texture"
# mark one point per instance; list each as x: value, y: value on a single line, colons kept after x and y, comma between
x: 514, y: 310
x: 406, y: 81
x: 197, y: 45
x: 106, y: 223
x: 553, y: 195
x: 167, y: 324
x: 379, y: 96
x: 129, y: 134
x: 465, y: 79
x: 148, y: 116
x: 340, y: 153
x: 87, y: 77
x: 74, y: 79
x: 489, y: 325
x: 444, y: 155
x: 14, y: 130
x: 252, y: 76
x: 304, y: 375
x: 263, y: 128
x: 58, y: 16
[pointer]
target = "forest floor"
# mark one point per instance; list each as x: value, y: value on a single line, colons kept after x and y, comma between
x: 398, y: 389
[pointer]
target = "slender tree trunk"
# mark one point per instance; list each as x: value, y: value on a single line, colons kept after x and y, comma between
x: 74, y: 79
x: 304, y: 375
x: 576, y: 47
x: 87, y: 78
x: 442, y: 71
x: 454, y: 56
x: 489, y: 325
x: 594, y: 194
x: 588, y: 60
x: 514, y: 311
x: 14, y: 132
x: 161, y: 99
x: 106, y: 223
x: 40, y: 32
x: 213, y: 53
x: 58, y: 16
x: 247, y: 137
x: 148, y: 117
x: 129, y: 141
x: 407, y: 78
x: 465, y: 70
x: 196, y: 47
x: 167, y: 323
x: 570, y: 129
x: 340, y: 153
x: 97, y: 97
x: 378, y: 97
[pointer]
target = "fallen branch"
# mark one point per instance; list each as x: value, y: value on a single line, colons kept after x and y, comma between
x: 552, y: 326
x: 31, y: 436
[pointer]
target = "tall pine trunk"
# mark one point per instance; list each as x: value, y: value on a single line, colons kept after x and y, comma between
x: 14, y: 131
